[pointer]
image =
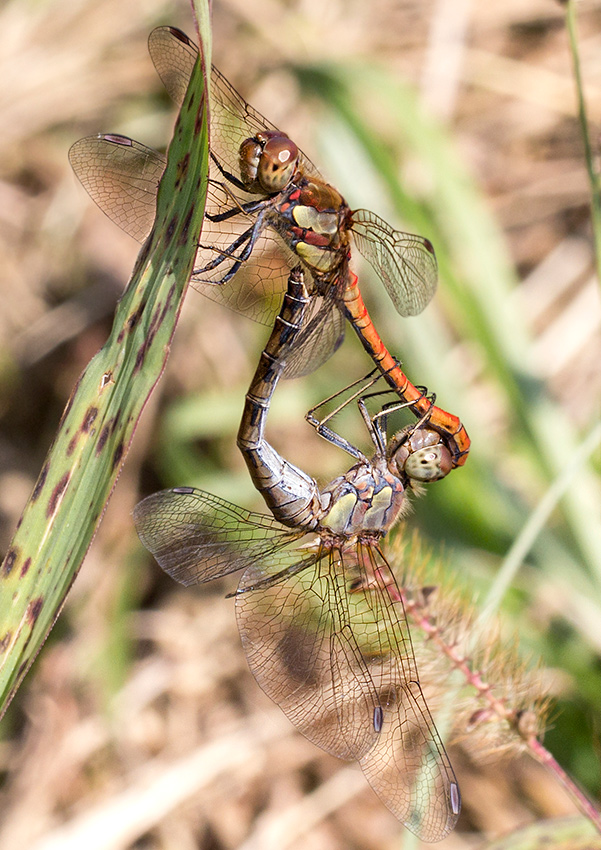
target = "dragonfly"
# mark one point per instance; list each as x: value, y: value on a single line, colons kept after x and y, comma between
x: 319, y: 610
x: 267, y: 199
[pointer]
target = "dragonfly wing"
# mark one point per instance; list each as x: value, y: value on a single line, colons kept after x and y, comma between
x: 173, y: 55
x: 302, y: 639
x: 232, y: 119
x: 122, y: 177
x: 259, y: 283
x: 197, y: 537
x: 405, y: 263
x: 261, y: 280
x: 408, y: 766
x: 409, y: 769
x: 322, y: 335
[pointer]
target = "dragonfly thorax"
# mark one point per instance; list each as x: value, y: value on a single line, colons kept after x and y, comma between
x: 365, y: 499
x: 420, y: 454
x: 268, y: 162
x: 311, y: 217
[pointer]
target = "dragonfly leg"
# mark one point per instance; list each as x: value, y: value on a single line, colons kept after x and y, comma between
x: 227, y: 174
x: 373, y: 423
x: 336, y: 439
x: 366, y: 382
x: 400, y: 405
x: 376, y: 424
x: 290, y: 494
x: 379, y: 421
x: 250, y: 208
x: 249, y: 237
x: 328, y: 433
x: 224, y: 253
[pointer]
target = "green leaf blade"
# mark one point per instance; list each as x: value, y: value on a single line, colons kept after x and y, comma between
x: 96, y: 429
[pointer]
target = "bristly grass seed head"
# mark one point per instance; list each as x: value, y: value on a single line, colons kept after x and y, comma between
x: 499, y: 699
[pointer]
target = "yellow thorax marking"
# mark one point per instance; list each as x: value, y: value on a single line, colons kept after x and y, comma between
x: 338, y: 517
x: 312, y: 219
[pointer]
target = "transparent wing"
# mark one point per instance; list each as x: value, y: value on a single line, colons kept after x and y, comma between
x: 197, y: 537
x: 408, y: 766
x: 331, y: 646
x: 322, y: 334
x: 300, y: 639
x: 405, y: 263
x: 261, y: 280
x: 232, y: 119
x: 173, y: 55
x: 122, y: 177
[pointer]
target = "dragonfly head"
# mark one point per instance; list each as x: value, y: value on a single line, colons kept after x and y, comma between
x: 420, y: 454
x: 268, y: 162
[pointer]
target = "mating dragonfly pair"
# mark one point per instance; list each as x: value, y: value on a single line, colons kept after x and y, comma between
x: 322, y: 623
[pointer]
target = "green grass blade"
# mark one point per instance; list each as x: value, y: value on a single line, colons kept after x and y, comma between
x: 97, y: 427
x: 593, y: 175
x: 535, y: 523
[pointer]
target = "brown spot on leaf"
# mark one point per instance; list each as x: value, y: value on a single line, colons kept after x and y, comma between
x: 33, y: 610
x: 104, y: 435
x: 135, y: 317
x: 118, y: 454
x: 89, y: 418
x: 186, y: 226
x: 9, y: 561
x: 198, y: 124
x: 57, y: 493
x: 140, y: 357
x: 25, y: 567
x: 182, y: 168
x: 5, y: 641
x: 155, y: 323
x: 170, y: 229
x: 40, y: 482
x: 166, y: 308
x: 72, y: 443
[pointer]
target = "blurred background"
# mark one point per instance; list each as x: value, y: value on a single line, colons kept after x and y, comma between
x: 139, y: 724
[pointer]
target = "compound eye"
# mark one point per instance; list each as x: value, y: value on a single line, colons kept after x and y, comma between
x: 429, y: 464
x: 278, y: 164
x: 250, y: 158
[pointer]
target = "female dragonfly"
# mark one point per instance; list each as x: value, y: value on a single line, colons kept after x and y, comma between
x: 322, y: 622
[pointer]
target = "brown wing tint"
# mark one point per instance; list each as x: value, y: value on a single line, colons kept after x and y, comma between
x: 331, y: 646
x: 300, y: 640
x: 197, y: 537
x: 408, y: 766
